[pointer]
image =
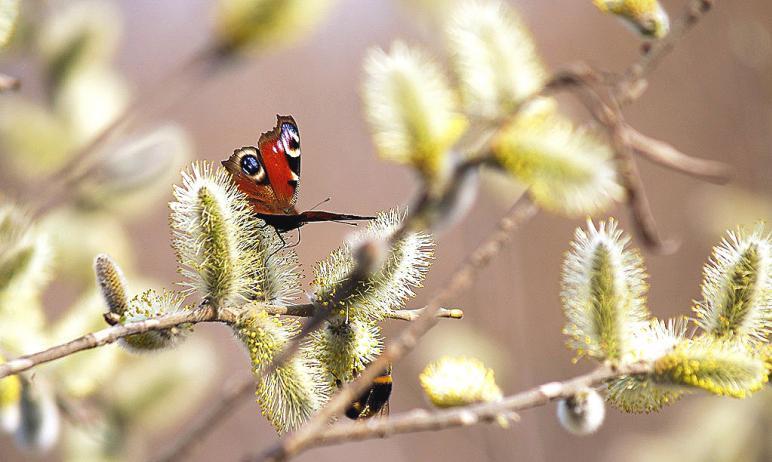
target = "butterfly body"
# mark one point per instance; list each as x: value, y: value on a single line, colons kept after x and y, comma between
x: 269, y: 175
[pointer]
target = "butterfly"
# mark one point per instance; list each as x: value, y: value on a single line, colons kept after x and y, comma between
x: 269, y: 175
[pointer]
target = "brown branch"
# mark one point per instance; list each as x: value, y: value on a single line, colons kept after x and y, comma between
x: 632, y: 84
x: 421, y: 420
x: 461, y: 279
x: 666, y: 155
x: 307, y: 310
x: 110, y: 335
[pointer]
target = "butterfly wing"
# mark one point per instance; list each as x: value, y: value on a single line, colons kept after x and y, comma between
x: 280, y: 153
x: 270, y: 174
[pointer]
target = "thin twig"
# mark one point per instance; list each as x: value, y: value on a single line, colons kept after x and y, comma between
x: 421, y: 420
x: 112, y: 334
x: 306, y: 310
x: 666, y: 155
x: 632, y: 84
x: 461, y: 279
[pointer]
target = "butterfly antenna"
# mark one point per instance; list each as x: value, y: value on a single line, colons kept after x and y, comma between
x: 320, y: 203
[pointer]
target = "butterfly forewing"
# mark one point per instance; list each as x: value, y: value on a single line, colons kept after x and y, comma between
x: 280, y: 152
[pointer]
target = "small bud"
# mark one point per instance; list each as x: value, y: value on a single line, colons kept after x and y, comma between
x: 737, y: 288
x: 715, y: 365
x: 9, y: 13
x: 258, y: 24
x: 294, y: 391
x: 39, y: 424
x: 567, y: 171
x: 459, y: 381
x: 411, y: 110
x: 214, y: 233
x: 583, y: 413
x: 603, y: 292
x: 403, y: 267
x: 646, y: 17
x: 494, y: 57
x: 112, y: 283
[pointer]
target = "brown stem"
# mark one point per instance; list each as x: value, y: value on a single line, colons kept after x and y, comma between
x: 421, y: 420
x: 461, y: 279
x: 109, y: 335
x: 666, y: 155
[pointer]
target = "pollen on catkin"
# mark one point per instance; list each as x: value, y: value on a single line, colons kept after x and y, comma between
x: 737, y: 288
x: 583, y: 413
x: 718, y: 366
x: 494, y: 57
x: 149, y: 305
x: 411, y: 109
x: 112, y: 284
x: 642, y: 393
x: 603, y: 292
x: 344, y: 349
x: 567, y: 170
x: 290, y: 394
x: 277, y: 269
x: 458, y: 381
x: 401, y: 269
x: 213, y: 235
x: 646, y: 17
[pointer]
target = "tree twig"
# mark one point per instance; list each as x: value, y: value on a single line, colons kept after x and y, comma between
x: 421, y: 420
x: 461, y: 279
x: 112, y: 334
x: 666, y: 155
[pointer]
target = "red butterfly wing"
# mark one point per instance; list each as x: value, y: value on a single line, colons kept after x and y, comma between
x: 280, y: 151
x: 270, y: 174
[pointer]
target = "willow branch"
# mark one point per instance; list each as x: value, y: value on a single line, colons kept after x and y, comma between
x: 112, y: 334
x: 296, y: 442
x: 307, y: 310
x: 421, y: 420
x: 668, y: 156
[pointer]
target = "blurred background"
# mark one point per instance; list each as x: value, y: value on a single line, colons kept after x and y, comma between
x: 712, y: 98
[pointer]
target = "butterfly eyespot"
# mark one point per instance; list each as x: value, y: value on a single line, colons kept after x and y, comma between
x: 250, y: 165
x: 293, y: 144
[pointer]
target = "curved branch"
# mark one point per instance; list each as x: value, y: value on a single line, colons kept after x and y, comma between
x: 421, y: 420
x: 112, y: 334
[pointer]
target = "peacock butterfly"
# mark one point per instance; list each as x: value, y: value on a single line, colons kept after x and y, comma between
x: 269, y: 175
